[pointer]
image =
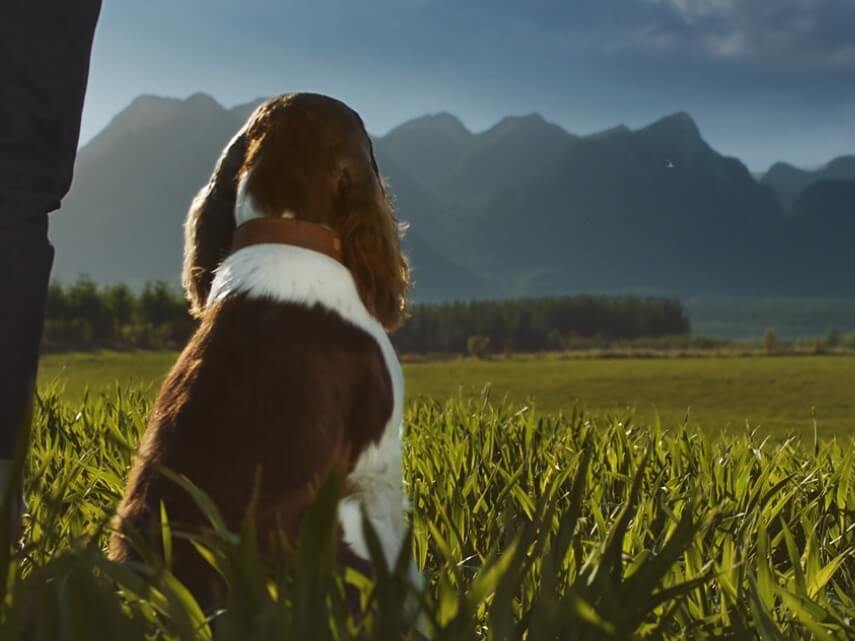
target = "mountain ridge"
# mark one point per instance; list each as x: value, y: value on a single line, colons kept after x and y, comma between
x: 123, y: 218
x: 523, y: 207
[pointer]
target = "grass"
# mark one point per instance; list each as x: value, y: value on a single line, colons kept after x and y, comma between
x: 779, y: 394
x: 526, y: 525
x: 99, y: 370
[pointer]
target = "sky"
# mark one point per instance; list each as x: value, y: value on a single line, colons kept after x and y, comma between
x: 766, y: 80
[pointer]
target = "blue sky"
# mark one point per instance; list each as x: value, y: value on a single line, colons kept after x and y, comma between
x: 766, y: 80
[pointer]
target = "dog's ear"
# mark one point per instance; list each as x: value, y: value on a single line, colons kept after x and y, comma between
x: 371, y: 244
x: 210, y: 224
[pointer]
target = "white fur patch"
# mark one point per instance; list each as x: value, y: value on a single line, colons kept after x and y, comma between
x: 244, y: 206
x: 293, y: 274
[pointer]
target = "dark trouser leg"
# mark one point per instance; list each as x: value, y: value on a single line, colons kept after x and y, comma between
x: 44, y: 63
x: 26, y: 257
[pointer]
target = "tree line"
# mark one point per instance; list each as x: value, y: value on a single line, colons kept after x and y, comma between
x: 537, y: 324
x: 84, y: 314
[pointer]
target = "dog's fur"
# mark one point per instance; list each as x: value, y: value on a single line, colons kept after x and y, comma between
x: 290, y: 371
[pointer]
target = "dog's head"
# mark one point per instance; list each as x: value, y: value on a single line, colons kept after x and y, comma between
x: 308, y: 157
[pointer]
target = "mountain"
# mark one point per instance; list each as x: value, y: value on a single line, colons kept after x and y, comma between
x: 452, y: 163
x: 428, y: 147
x: 434, y: 278
x: 413, y: 202
x: 244, y: 110
x: 828, y: 203
x: 789, y: 182
x: 818, y: 238
x: 841, y: 168
x: 522, y: 208
x: 510, y: 154
x: 436, y: 166
x: 650, y: 210
x: 122, y: 220
x: 605, y: 133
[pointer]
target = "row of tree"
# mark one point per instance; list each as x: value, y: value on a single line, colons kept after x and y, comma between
x: 85, y: 314
x: 537, y: 324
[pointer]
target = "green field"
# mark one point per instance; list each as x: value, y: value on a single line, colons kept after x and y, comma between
x: 778, y: 394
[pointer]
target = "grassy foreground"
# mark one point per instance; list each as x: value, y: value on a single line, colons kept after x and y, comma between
x: 527, y: 526
x: 778, y: 394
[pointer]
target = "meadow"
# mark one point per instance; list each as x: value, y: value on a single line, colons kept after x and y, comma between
x: 554, y: 498
x: 779, y: 395
x: 526, y: 525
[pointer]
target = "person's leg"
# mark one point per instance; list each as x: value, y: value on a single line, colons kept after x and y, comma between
x: 44, y: 66
x: 44, y: 69
x: 26, y: 257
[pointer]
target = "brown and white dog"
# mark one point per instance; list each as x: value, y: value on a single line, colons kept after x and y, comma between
x: 293, y: 266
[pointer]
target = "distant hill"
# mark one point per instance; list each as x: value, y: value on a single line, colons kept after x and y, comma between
x: 789, y: 182
x: 523, y: 208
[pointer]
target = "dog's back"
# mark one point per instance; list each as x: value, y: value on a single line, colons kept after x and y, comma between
x: 278, y: 389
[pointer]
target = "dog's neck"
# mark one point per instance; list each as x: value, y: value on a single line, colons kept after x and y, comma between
x: 254, y: 227
x: 289, y: 274
x: 288, y: 231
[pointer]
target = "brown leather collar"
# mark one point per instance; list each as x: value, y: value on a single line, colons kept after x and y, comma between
x: 288, y: 231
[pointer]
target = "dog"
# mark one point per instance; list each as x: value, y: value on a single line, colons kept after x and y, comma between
x: 293, y: 267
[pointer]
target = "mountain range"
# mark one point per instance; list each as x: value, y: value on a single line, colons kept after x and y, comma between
x: 523, y: 208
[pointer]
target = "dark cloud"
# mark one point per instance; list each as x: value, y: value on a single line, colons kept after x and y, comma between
x: 775, y: 33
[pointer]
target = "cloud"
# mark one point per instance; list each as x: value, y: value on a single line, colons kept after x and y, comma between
x: 778, y: 33
x: 774, y: 34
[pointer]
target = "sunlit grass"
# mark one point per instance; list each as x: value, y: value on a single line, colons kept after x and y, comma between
x: 527, y: 526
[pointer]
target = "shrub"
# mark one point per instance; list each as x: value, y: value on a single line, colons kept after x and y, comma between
x: 834, y: 338
x: 138, y: 334
x: 478, y: 346
x: 770, y: 341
